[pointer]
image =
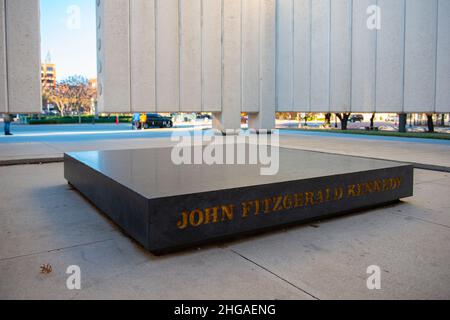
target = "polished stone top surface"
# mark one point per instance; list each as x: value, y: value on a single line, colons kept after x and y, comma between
x: 151, y: 172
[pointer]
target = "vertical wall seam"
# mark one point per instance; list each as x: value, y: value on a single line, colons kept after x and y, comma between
x: 404, y: 53
x: 154, y: 54
x: 242, y: 57
x: 201, y: 58
x: 351, y: 57
x: 222, y: 40
x: 130, y: 62
x: 179, y: 40
x: 39, y: 60
x: 437, y: 55
x: 259, y: 57
x: 293, y: 57
x: 6, y: 57
x: 376, y: 61
x: 329, y: 58
x: 310, y: 54
x: 155, y: 10
x: 277, y: 106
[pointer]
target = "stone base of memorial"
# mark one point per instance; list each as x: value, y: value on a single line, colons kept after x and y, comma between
x: 167, y: 207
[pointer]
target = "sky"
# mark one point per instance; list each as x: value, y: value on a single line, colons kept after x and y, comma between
x: 68, y: 32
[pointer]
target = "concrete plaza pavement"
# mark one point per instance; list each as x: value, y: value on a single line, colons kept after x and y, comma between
x: 43, y: 221
x: 50, y: 143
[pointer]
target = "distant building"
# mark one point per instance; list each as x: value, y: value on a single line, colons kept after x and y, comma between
x: 92, y: 83
x: 48, y: 72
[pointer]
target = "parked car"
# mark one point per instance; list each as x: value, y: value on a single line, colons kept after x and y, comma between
x: 153, y: 121
x: 356, y: 118
x: 391, y: 119
x: 204, y: 117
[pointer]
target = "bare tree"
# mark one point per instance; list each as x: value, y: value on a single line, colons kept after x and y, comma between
x: 430, y: 122
x: 327, y: 120
x: 71, y: 94
x: 344, y: 119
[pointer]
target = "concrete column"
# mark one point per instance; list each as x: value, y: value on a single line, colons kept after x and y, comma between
x: 113, y: 55
x: 261, y: 121
x: 226, y: 120
x: 230, y: 117
x: 265, y: 118
x: 402, y: 117
x: 3, y: 82
x: 23, y: 59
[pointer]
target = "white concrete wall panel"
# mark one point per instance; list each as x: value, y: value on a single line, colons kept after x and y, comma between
x: 420, y: 55
x: 302, y: 55
x: 341, y: 53
x: 232, y: 77
x: 363, y: 59
x: 23, y: 55
x: 265, y: 117
x: 142, y: 42
x: 251, y: 55
x: 100, y: 32
x: 320, y: 56
x: 114, y: 68
x: 443, y: 58
x: 3, y: 76
x: 212, y: 55
x: 390, y: 56
x: 285, y: 58
x: 256, y: 55
x: 268, y: 64
x: 191, y: 55
x: 167, y: 56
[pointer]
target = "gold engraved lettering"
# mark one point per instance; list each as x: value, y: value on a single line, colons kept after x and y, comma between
x: 228, y: 212
x: 196, y: 218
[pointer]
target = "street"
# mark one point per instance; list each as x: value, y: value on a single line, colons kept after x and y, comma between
x: 97, y: 132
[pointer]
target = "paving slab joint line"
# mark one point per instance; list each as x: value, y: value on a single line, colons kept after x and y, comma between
x: 420, y: 219
x: 30, y: 161
x: 54, y: 250
x: 274, y: 274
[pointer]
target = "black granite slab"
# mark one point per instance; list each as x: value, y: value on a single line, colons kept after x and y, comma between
x: 167, y: 207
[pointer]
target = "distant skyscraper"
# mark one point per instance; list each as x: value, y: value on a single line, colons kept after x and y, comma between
x: 48, y: 72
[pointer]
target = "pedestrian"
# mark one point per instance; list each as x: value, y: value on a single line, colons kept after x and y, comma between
x: 7, y: 124
x: 135, y: 121
x: 143, y: 120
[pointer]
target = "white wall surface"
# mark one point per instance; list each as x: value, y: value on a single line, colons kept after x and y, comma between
x: 420, y: 55
x: 212, y: 56
x: 364, y: 44
x: 320, y: 55
x: 390, y: 56
x: 285, y: 55
x: 20, y: 20
x: 443, y: 58
x: 247, y: 55
x: 341, y: 55
x: 114, y: 67
x: 304, y: 55
x: 142, y: 55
